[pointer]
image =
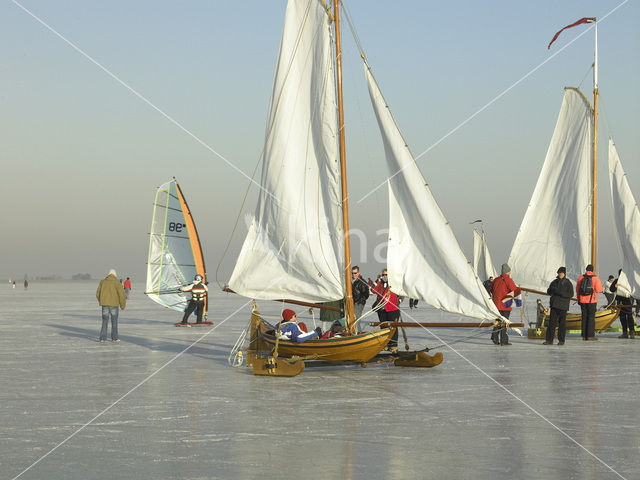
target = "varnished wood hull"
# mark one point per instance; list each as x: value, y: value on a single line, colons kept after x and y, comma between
x: 356, y: 348
x: 604, y: 319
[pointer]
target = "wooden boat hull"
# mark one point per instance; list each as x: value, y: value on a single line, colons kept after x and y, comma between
x: 356, y: 348
x: 604, y: 319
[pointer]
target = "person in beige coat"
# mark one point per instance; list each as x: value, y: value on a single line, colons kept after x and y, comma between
x: 110, y: 295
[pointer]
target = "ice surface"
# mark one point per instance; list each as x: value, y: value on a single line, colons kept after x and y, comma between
x: 472, y: 417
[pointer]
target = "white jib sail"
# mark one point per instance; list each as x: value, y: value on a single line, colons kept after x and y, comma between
x: 556, y: 228
x: 482, y: 263
x: 627, y: 220
x: 424, y: 259
x: 294, y: 248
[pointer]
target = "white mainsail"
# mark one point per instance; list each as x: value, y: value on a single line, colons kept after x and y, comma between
x: 294, y: 248
x: 626, y: 218
x: 424, y: 258
x: 482, y: 263
x: 556, y: 228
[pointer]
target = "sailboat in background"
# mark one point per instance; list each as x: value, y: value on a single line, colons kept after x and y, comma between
x: 298, y: 246
x: 627, y: 220
x: 175, y: 253
x: 560, y: 225
x: 482, y: 263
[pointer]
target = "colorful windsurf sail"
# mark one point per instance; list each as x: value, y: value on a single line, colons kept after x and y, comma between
x: 175, y: 253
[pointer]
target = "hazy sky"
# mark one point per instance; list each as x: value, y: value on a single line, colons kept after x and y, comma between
x: 82, y: 155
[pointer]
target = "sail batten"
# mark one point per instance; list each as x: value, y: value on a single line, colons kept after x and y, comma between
x: 424, y: 259
x: 556, y: 229
x: 294, y: 245
x: 626, y: 219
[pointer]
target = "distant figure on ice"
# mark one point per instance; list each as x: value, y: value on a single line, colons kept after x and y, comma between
x: 503, y: 288
x: 587, y: 289
x: 110, y: 295
x: 26, y: 284
x: 413, y: 303
x: 561, y: 291
x: 127, y: 287
x: 622, y: 290
x: 13, y: 285
x: 198, y: 294
x: 607, y: 290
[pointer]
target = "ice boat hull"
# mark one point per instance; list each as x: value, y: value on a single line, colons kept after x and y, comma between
x: 604, y: 319
x: 355, y: 348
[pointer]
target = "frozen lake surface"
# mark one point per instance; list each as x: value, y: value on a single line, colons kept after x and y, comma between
x: 165, y: 404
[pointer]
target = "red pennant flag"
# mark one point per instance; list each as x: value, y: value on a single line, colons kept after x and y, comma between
x: 579, y: 22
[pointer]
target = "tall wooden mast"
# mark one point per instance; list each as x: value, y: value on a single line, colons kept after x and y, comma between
x: 349, y: 312
x: 594, y: 196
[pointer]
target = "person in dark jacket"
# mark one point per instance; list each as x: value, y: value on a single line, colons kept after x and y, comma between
x: 622, y: 290
x: 611, y: 297
x: 487, y: 284
x: 561, y: 291
x: 359, y: 290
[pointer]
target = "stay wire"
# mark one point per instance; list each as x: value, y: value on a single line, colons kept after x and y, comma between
x: 585, y: 76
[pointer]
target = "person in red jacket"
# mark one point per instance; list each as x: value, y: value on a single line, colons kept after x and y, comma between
x: 588, y: 303
x: 127, y: 287
x: 503, y: 288
x: 391, y: 310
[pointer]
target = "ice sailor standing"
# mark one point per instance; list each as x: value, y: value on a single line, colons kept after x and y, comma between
x: 503, y: 290
x: 198, y: 294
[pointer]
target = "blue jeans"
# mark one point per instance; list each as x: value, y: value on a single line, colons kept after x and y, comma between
x: 109, y: 312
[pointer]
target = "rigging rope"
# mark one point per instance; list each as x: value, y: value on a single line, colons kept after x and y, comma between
x: 585, y: 76
x: 353, y: 30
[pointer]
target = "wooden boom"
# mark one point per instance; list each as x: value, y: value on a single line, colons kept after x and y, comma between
x: 539, y: 292
x: 298, y: 302
x: 443, y: 324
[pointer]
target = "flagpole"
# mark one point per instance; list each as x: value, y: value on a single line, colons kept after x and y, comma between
x: 594, y: 206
